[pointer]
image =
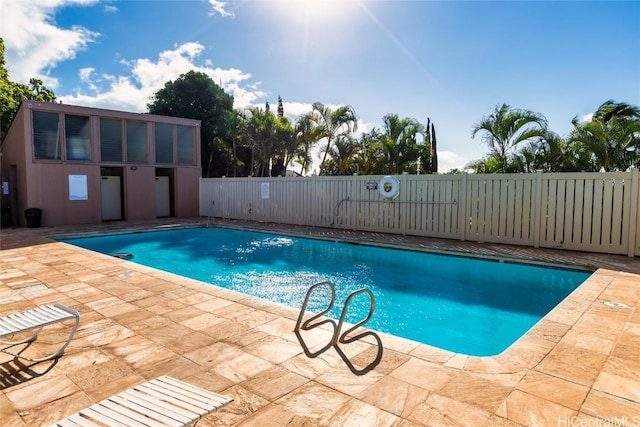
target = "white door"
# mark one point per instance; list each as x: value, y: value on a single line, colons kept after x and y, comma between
x: 111, y: 198
x: 163, y: 205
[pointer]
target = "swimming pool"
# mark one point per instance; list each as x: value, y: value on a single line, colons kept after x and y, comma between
x: 465, y: 305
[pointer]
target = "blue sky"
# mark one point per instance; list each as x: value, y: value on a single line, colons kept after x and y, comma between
x: 452, y: 61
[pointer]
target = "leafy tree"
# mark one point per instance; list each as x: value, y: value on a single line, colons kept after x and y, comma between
x: 280, y: 107
x: 506, y: 128
x: 12, y: 94
x: 430, y: 137
x: 332, y: 124
x: 195, y: 95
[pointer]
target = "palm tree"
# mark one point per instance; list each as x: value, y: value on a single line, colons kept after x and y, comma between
x: 612, y: 136
x: 401, y: 144
x: 551, y: 154
x: 260, y: 137
x: 305, y: 135
x: 332, y: 124
x: 369, y: 159
x: 506, y: 128
x: 342, y: 155
x: 286, y: 144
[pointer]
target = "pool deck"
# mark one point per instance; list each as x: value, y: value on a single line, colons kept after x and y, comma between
x: 579, y: 366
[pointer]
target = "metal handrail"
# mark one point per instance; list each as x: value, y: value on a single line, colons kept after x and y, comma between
x: 342, y: 338
x: 209, y: 213
x: 337, y: 337
x: 305, y: 325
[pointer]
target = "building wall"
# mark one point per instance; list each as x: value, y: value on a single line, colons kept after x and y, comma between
x: 12, y: 156
x: 187, y: 192
x: 45, y: 184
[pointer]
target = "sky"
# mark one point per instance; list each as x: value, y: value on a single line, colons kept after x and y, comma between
x: 451, y: 61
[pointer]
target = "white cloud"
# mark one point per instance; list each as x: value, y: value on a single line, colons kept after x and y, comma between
x: 85, y: 73
x: 34, y: 44
x: 293, y: 110
x: 133, y: 91
x: 448, y: 160
x: 219, y: 7
x: 110, y: 8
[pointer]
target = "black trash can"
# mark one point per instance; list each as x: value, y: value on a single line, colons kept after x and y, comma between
x: 34, y: 217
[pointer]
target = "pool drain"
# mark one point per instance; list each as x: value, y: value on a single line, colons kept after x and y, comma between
x: 616, y: 304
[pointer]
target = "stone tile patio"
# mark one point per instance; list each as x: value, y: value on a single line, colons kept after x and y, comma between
x: 578, y: 366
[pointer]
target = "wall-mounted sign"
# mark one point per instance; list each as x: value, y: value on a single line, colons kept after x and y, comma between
x: 78, y: 187
x: 264, y: 190
x: 371, y: 185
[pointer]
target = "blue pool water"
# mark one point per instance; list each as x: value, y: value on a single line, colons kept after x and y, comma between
x: 465, y: 305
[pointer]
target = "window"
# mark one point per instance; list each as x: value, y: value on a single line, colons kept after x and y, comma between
x: 136, y: 142
x: 77, y: 135
x: 110, y: 140
x: 185, y: 146
x: 164, y: 143
x: 46, y: 136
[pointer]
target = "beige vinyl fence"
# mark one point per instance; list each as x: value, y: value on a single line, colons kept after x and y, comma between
x: 593, y: 212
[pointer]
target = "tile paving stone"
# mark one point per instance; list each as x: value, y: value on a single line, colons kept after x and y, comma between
x: 439, y: 410
x: 274, y: 383
x: 273, y: 349
x: 314, y: 400
x: 427, y: 375
x: 395, y: 396
x: 36, y: 393
x: 608, y: 407
x: 530, y: 410
x: 477, y: 391
x: 344, y: 380
x: 358, y: 413
x: 137, y: 322
x: 563, y: 392
x: 274, y: 415
x: 495, y: 421
x: 573, y: 363
x: 619, y: 385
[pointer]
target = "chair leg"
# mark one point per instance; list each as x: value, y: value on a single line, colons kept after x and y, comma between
x: 54, y: 355
x: 28, y: 339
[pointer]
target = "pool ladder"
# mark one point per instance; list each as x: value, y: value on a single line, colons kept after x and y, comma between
x: 337, y: 337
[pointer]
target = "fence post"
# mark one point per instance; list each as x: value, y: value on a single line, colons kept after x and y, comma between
x: 537, y: 210
x: 634, y: 212
x: 403, y: 208
x: 462, y: 208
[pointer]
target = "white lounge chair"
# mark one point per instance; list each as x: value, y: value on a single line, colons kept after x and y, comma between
x: 33, y: 321
x: 164, y: 401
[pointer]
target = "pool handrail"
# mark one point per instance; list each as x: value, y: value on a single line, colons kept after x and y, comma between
x: 306, y: 324
x: 342, y: 338
x: 337, y: 337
